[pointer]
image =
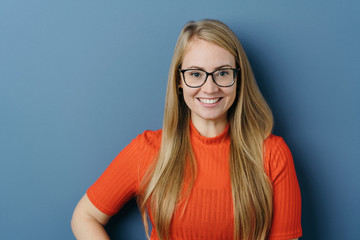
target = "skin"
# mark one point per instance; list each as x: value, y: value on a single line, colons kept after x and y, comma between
x: 209, y: 119
x: 88, y: 222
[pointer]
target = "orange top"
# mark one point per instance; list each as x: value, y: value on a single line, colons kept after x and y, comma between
x: 209, y: 213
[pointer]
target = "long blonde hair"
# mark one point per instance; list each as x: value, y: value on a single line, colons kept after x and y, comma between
x: 250, y: 122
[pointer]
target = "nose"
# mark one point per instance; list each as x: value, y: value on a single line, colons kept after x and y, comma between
x: 210, y: 86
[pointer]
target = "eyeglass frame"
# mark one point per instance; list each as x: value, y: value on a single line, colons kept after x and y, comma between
x: 236, y: 71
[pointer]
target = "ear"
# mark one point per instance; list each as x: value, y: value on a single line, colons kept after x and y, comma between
x: 179, y: 90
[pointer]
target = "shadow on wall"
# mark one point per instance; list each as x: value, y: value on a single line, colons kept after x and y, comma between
x: 309, y: 215
x: 127, y: 224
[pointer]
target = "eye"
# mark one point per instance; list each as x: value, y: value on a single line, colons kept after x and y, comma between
x: 195, y: 74
x: 223, y: 73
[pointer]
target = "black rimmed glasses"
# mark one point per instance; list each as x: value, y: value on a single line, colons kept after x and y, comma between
x: 223, y: 77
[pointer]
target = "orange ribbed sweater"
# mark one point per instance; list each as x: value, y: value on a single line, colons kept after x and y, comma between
x: 209, y: 213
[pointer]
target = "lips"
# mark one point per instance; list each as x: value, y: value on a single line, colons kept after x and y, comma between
x: 209, y: 100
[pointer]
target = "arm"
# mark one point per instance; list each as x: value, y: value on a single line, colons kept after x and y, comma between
x: 118, y: 184
x: 286, y: 222
x: 88, y: 222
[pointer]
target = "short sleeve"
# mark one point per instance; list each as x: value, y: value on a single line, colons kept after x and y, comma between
x: 286, y: 222
x: 120, y: 181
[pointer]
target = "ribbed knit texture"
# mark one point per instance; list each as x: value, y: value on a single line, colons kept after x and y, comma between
x: 209, y: 211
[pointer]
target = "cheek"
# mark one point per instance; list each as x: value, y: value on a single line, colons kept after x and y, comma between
x: 182, y: 84
x: 232, y: 95
x: 189, y: 95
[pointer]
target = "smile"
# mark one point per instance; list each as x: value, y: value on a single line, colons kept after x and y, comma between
x: 209, y: 100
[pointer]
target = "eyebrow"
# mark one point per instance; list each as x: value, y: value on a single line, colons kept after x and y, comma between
x: 222, y: 66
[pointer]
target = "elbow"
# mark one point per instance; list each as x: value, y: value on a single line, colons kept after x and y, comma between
x: 77, y: 221
x: 74, y: 222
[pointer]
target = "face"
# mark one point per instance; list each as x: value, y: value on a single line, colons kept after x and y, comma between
x: 208, y: 102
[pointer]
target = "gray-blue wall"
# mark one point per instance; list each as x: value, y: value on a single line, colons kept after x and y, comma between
x: 80, y: 79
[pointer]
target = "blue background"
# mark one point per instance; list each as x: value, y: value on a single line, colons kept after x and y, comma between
x: 80, y: 79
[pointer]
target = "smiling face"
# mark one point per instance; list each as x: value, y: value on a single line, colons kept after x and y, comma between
x: 208, y: 102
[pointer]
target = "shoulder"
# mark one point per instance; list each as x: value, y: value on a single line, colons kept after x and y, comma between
x: 151, y: 135
x: 277, y: 155
x: 146, y: 145
x: 150, y: 138
x: 275, y: 145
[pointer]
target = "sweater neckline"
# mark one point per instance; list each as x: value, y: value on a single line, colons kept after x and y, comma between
x: 197, y: 137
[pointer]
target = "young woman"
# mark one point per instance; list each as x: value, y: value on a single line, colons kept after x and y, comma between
x: 214, y: 171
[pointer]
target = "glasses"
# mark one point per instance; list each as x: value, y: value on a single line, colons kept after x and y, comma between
x: 224, y: 77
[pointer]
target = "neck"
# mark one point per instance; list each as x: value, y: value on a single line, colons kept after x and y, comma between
x: 209, y: 128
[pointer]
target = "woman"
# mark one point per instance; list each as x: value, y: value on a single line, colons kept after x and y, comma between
x: 214, y: 171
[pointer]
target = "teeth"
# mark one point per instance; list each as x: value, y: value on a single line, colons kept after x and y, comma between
x: 211, y: 101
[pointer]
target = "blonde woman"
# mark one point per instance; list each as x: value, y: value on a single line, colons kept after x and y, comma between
x: 214, y: 171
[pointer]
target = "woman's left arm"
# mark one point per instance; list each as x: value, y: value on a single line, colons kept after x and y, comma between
x: 286, y: 222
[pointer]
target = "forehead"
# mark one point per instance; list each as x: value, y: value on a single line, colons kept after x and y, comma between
x: 207, y: 55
